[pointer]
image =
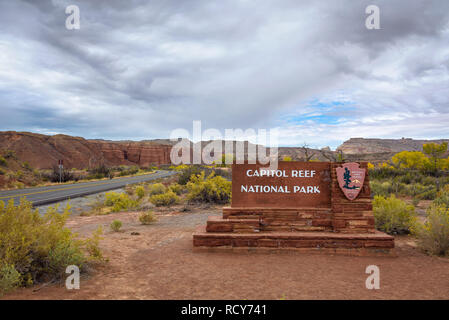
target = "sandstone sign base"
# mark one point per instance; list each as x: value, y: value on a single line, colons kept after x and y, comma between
x: 342, y: 227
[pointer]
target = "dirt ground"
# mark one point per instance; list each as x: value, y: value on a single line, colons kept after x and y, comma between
x: 159, y: 263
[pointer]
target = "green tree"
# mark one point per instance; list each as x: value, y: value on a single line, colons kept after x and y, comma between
x: 435, y: 152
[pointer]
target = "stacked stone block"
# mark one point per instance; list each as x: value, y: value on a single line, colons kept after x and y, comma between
x: 344, y: 226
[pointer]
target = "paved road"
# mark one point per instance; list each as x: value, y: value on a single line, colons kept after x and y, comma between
x: 45, y: 195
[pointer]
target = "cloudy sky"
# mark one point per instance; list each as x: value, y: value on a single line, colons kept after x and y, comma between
x: 139, y: 69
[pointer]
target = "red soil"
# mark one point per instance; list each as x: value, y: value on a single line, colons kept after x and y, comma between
x: 160, y: 263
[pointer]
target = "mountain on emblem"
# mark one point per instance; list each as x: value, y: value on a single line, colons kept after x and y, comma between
x: 350, y: 179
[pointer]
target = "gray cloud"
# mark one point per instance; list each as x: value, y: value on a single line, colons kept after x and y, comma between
x: 138, y: 69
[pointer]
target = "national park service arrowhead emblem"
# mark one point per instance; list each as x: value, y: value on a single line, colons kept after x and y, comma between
x: 350, y: 179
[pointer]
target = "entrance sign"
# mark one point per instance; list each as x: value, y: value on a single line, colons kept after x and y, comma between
x: 292, y: 185
x: 350, y: 179
x: 317, y: 206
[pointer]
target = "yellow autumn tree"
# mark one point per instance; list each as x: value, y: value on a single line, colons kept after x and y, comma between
x: 411, y: 160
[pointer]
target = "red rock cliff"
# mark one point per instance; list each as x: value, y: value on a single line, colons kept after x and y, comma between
x: 42, y: 151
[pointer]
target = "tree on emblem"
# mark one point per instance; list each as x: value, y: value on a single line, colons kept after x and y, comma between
x: 347, y: 178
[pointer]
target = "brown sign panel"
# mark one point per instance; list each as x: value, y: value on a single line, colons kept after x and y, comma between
x: 292, y: 185
x: 350, y: 179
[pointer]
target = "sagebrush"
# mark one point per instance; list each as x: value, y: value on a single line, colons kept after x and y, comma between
x: 213, y: 189
x: 116, y: 225
x: 156, y: 188
x: 165, y: 199
x: 176, y: 188
x: 36, y: 248
x: 393, y: 215
x: 119, y: 201
x: 147, y: 217
x: 433, y: 235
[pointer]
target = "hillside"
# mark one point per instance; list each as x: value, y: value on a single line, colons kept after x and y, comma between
x: 43, y: 151
x: 372, y: 146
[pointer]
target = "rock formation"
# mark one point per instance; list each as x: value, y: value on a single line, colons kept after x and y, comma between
x: 367, y: 146
x: 43, y: 152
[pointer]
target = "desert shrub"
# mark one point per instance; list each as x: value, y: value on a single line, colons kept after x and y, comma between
x: 26, y: 165
x: 99, y: 172
x: 433, y: 235
x: 10, y: 176
x: 53, y: 176
x: 92, y: 246
x: 383, y: 189
x: 140, y: 192
x: 179, y: 168
x: 176, y: 188
x: 186, y: 172
x: 128, y: 171
x: 419, y: 191
x: 19, y: 174
x: 165, y: 199
x: 219, y: 172
x: 62, y: 255
x: 156, y: 188
x: 19, y: 185
x: 429, y: 194
x: 442, y: 198
x: 3, y: 161
x: 2, y: 172
x: 147, y: 217
x: 133, y: 170
x: 129, y: 189
x: 9, y: 154
x: 36, y: 173
x: 396, y: 187
x: 10, y: 278
x: 407, y: 178
x: 414, y: 189
x: 393, y: 215
x: 35, y: 248
x: 116, y: 225
x: 111, y: 198
x: 385, y: 172
x: 428, y: 180
x: 214, y: 189
x: 119, y: 201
